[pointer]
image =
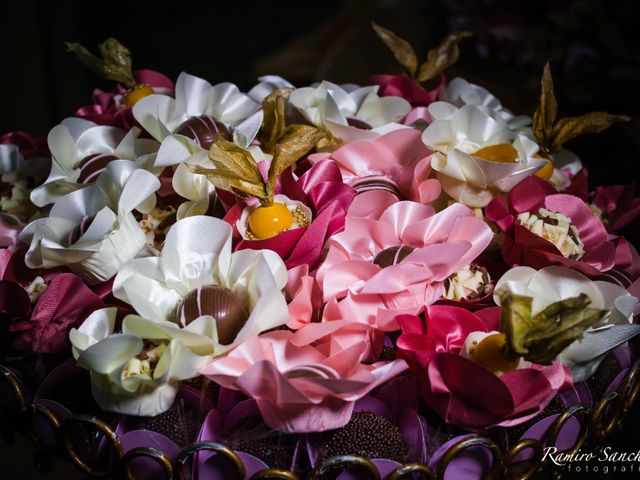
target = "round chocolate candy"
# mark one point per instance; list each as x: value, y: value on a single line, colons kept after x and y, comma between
x: 357, y: 123
x: 93, y: 165
x: 80, y: 229
x: 219, y: 302
x: 204, y: 130
x: 392, y: 255
x: 377, y: 183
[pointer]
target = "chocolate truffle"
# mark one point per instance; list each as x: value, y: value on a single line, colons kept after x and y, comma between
x: 204, y: 130
x: 392, y: 255
x: 80, y: 229
x: 219, y: 302
x: 93, y: 165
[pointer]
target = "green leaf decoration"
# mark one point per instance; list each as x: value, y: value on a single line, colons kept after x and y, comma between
x: 541, y: 338
x: 114, y: 65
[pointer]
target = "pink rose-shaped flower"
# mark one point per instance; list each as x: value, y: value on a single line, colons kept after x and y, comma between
x: 108, y: 109
x: 463, y: 392
x: 300, y: 388
x: 393, y: 257
x: 322, y: 190
x: 545, y: 228
x: 402, y: 86
x: 397, y: 161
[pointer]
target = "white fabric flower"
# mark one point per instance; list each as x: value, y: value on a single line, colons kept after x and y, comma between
x: 138, y: 371
x: 80, y: 149
x: 457, y: 135
x: 92, y: 230
x: 459, y: 92
x: 553, y: 284
x: 332, y: 107
x: 162, y: 115
x: 16, y: 178
x: 266, y: 85
x: 196, y: 256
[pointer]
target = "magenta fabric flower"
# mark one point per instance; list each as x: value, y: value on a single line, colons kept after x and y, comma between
x: 402, y: 86
x: 617, y: 206
x: 543, y: 227
x: 393, y: 257
x: 322, y: 190
x: 397, y: 161
x: 108, y: 109
x: 300, y: 388
x: 460, y: 390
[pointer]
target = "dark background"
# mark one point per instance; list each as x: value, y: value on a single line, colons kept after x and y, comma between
x: 593, y: 45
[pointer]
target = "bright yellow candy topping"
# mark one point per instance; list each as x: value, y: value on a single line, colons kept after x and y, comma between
x: 137, y: 93
x: 502, y: 153
x: 546, y: 170
x: 490, y: 353
x: 267, y: 222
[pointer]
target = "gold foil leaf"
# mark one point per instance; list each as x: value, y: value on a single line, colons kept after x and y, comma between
x: 273, y: 122
x: 227, y: 155
x: 552, y: 133
x: 401, y: 49
x: 295, y: 142
x: 571, y: 127
x: 232, y: 182
x: 540, y: 339
x: 441, y: 57
x: 545, y: 115
x: 114, y: 65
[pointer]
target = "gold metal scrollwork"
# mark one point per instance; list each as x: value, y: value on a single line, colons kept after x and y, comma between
x: 156, y: 455
x: 341, y: 463
x: 469, y: 442
x: 189, y: 450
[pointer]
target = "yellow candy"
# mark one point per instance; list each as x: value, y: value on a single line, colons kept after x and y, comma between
x: 490, y: 354
x: 546, y: 170
x: 267, y: 222
x: 502, y: 153
x: 136, y: 93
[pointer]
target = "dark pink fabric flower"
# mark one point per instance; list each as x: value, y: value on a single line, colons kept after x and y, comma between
x: 107, y: 109
x: 522, y: 247
x: 402, y: 86
x: 322, y: 190
x: 462, y: 392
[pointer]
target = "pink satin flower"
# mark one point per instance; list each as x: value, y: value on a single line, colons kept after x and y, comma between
x: 107, y: 110
x: 300, y: 388
x: 618, y: 205
x: 322, y: 190
x: 462, y: 392
x: 404, y: 87
x: 398, y: 158
x: 28, y: 145
x: 435, y: 244
x: 522, y: 247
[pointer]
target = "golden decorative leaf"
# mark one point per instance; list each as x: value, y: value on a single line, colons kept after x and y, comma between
x: 114, y: 65
x: 227, y: 155
x: 401, y: 49
x: 545, y: 115
x: 571, y: 127
x: 295, y: 142
x: 441, y: 57
x: 273, y: 123
x: 541, y: 338
x: 232, y: 182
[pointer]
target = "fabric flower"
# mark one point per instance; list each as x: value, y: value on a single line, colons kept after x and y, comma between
x: 463, y: 392
x: 131, y: 373
x: 403, y: 87
x: 199, y: 112
x: 196, y: 280
x: 544, y: 228
x: 109, y: 109
x: 616, y: 206
x: 333, y: 107
x: 553, y: 284
x: 477, y: 156
x: 267, y: 84
x: 324, y: 199
x: 18, y: 176
x: 93, y: 230
x: 397, y: 161
x: 300, y: 388
x: 460, y: 92
x: 81, y: 150
x: 393, y: 257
